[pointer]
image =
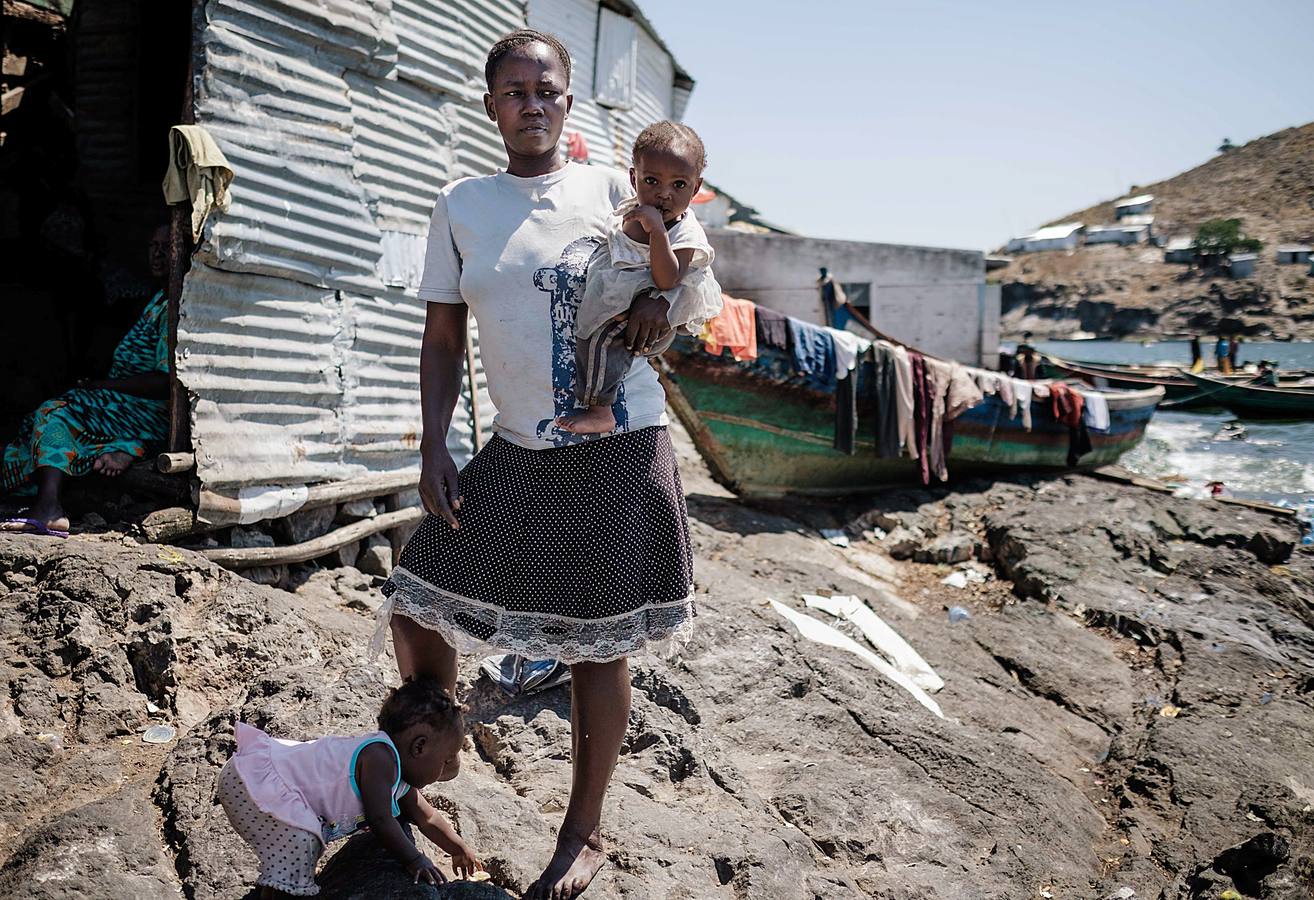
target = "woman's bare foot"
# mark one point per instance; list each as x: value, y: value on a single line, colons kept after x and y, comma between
x: 571, y: 869
x: 594, y: 420
x: 115, y: 462
x: 52, y: 516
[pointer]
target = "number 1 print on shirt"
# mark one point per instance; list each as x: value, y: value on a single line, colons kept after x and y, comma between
x: 565, y: 283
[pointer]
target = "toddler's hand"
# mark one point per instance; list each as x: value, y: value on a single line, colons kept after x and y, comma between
x: 423, y: 869
x: 648, y: 217
x: 464, y: 862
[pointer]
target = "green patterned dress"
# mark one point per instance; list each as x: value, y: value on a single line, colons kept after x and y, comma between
x: 72, y: 430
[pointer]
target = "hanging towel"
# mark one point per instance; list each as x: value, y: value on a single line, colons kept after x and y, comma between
x: 963, y: 392
x: 1068, y: 407
x: 922, y: 409
x: 885, y: 395
x: 735, y: 328
x: 1022, y: 394
x: 904, y: 399
x: 1004, y: 385
x: 197, y: 172
x: 772, y: 329
x: 846, y: 415
x: 848, y: 347
x: 1097, y: 411
x: 939, y: 375
x: 813, y: 350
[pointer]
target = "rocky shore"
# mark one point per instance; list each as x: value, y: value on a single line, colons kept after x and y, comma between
x: 1128, y: 709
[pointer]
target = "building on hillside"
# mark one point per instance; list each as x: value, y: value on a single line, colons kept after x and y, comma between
x: 1293, y: 254
x: 1142, y: 219
x: 1180, y: 250
x: 928, y: 297
x: 1133, y: 206
x: 1241, y: 265
x: 1067, y: 236
x: 1117, y: 234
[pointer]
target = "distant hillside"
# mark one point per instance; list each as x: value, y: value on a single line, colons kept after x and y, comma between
x: 1267, y: 183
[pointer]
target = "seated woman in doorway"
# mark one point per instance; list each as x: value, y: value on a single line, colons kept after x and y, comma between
x: 99, y: 426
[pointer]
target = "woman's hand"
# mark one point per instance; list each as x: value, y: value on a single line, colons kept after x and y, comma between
x: 440, y: 488
x: 647, y: 322
x: 464, y: 862
x: 422, y: 869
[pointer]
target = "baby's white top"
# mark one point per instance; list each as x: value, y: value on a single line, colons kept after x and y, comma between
x: 685, y: 234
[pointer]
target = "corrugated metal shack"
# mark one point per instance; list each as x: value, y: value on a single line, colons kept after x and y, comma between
x: 299, y: 329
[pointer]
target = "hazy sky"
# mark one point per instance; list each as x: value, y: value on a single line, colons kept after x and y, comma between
x: 958, y: 124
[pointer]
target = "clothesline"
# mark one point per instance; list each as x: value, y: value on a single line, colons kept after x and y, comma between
x: 915, y: 397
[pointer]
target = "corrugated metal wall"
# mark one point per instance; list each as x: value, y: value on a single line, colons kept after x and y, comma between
x: 610, y: 132
x: 299, y: 329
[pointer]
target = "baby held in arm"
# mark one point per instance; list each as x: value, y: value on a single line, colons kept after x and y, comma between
x: 290, y: 799
x: 650, y: 279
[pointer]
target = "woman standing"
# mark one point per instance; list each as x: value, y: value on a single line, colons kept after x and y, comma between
x: 572, y: 547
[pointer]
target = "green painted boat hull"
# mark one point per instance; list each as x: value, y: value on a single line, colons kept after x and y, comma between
x: 1250, y: 401
x: 765, y: 434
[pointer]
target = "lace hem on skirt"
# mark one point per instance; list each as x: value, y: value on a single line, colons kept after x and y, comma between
x: 472, y: 626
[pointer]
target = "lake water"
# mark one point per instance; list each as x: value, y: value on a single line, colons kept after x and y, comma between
x: 1258, y: 460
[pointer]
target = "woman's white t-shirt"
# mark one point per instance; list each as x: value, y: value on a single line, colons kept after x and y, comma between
x: 516, y: 250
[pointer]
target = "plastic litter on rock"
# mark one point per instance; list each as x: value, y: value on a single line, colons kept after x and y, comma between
x: 816, y: 630
x: 836, y: 536
x: 1168, y: 711
x: 955, y: 579
x: 159, y: 734
x: 958, y: 614
x: 519, y: 677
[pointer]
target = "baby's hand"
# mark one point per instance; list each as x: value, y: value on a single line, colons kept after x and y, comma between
x: 423, y: 869
x: 464, y: 863
x: 648, y: 217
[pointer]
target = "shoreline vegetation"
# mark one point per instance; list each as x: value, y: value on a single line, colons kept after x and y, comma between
x: 1128, y: 697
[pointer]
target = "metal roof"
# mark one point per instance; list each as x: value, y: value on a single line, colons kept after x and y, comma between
x: 1134, y: 201
x: 1055, y: 232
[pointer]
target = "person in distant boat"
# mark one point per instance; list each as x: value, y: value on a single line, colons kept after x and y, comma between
x: 1026, y: 363
x: 1267, y: 373
x: 1220, y: 355
x: 1197, y: 355
x: 1233, y: 351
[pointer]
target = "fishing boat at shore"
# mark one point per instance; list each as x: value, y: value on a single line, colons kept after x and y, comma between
x: 765, y: 432
x: 1255, y: 401
x: 1180, y: 391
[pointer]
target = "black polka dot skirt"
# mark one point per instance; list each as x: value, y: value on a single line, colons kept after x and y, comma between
x: 577, y: 553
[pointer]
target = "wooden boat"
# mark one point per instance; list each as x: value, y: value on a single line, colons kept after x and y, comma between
x: 766, y: 432
x: 1179, y: 390
x: 1254, y: 401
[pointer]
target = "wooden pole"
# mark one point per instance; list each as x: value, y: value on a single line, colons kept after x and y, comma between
x: 246, y: 557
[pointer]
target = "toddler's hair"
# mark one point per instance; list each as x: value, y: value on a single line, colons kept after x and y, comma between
x: 422, y: 700
x: 672, y: 137
x: 515, y: 39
